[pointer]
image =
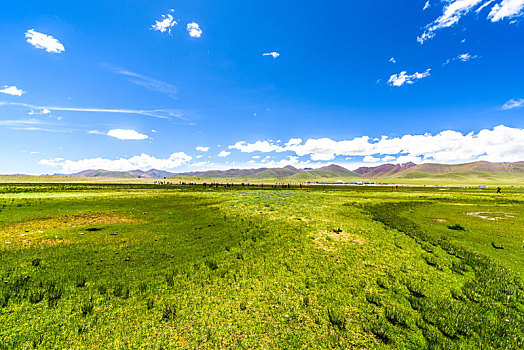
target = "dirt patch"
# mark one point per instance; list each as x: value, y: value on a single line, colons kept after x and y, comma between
x: 331, y: 241
x: 440, y: 220
x: 487, y: 215
x: 28, y: 232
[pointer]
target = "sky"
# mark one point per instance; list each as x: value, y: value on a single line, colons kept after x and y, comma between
x: 197, y: 85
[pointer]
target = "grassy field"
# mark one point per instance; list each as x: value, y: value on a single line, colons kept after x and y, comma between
x: 122, y: 266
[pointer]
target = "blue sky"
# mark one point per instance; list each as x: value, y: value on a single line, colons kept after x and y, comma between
x: 139, y: 84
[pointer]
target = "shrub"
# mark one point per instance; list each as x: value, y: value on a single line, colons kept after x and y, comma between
x: 80, y: 281
x: 459, y: 267
x: 456, y: 227
x: 54, y: 293
x: 87, y: 307
x: 36, y: 296
x: 431, y: 261
x: 337, y: 319
x: 36, y: 262
x: 416, y: 289
x: 142, y: 287
x: 150, y: 303
x: 102, y: 289
x: 170, y: 278
x: 120, y: 291
x: 373, y: 299
x: 380, y: 329
x: 4, y: 298
x: 211, y: 264
x: 382, y: 283
x: 168, y: 312
x: 396, y: 317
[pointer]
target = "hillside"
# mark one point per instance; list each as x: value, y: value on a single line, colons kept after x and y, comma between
x: 475, y: 171
x: 479, y: 169
x: 150, y: 174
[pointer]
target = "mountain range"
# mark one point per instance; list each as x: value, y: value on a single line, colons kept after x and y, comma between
x: 290, y: 173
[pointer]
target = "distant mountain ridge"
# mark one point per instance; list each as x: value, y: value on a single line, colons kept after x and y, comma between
x: 384, y: 169
x: 333, y: 171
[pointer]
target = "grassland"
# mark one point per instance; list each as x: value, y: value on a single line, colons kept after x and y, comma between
x: 123, y: 266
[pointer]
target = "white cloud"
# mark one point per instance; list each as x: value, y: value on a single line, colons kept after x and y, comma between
x: 165, y: 24
x: 273, y: 54
x: 466, y: 57
x: 387, y: 158
x: 21, y: 122
x: 194, y: 30
x: 403, y: 78
x: 157, y: 113
x: 202, y: 149
x: 143, y: 162
x: 371, y: 159
x: 455, y: 9
x: 426, y: 6
x: 506, y: 9
x: 452, y: 13
x: 484, y: 6
x: 12, y: 90
x: 42, y: 41
x: 513, y: 104
x: 463, y: 58
x: 224, y: 154
x: 392, y: 60
x: 146, y: 82
x: 126, y: 134
x: 501, y: 144
x: 259, y: 146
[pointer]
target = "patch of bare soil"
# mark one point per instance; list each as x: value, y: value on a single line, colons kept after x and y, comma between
x: 29, y: 232
x: 331, y: 241
x: 487, y: 215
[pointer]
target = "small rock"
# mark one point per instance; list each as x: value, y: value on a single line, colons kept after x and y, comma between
x: 113, y: 233
x: 127, y: 259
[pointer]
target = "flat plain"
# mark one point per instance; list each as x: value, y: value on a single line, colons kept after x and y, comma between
x: 127, y: 266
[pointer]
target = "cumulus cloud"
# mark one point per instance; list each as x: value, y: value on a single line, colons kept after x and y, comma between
x: 45, y: 42
x: 506, y: 9
x: 165, y: 24
x: 142, y: 162
x: 466, y: 57
x: 404, y: 78
x: 501, y: 144
x: 12, y: 90
x: 511, y: 104
x: 392, y: 60
x: 273, y: 54
x: 426, y: 6
x: 259, y: 146
x: 202, y: 149
x: 371, y: 159
x: 194, y: 30
x: 126, y: 134
x: 224, y: 154
x: 454, y: 10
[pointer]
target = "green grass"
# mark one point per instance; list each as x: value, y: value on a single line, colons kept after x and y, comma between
x: 138, y: 266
